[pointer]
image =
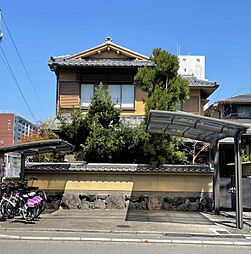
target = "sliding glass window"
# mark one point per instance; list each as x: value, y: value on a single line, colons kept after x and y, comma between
x: 86, y: 94
x: 123, y: 95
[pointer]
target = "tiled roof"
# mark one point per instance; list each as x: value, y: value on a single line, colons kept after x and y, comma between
x: 195, y: 82
x: 98, y: 62
x: 106, y: 167
x: 242, y: 98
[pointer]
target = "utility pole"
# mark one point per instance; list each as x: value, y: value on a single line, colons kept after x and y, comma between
x: 1, y: 33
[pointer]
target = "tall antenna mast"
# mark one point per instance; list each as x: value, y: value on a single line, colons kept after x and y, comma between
x: 1, y: 33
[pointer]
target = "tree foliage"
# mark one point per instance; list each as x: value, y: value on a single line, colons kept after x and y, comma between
x: 42, y: 133
x: 100, y: 136
x: 166, y: 91
x: 76, y: 131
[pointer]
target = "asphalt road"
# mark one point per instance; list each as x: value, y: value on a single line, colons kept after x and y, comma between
x: 24, y: 247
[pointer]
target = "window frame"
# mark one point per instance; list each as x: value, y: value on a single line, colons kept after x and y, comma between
x: 93, y: 90
x: 106, y: 85
x: 134, y: 93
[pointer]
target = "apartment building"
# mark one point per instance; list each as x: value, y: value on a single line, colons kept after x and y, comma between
x: 13, y: 127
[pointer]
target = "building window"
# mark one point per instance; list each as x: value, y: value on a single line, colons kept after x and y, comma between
x: 122, y: 95
x: 86, y: 94
x: 237, y: 111
x: 115, y: 93
x: 127, y: 96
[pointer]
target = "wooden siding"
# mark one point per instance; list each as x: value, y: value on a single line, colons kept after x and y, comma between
x: 69, y: 94
x: 109, y: 55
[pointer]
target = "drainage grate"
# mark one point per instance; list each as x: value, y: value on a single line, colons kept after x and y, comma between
x: 123, y: 226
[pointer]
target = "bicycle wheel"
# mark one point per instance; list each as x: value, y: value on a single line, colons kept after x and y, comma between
x: 28, y: 213
x: 41, y: 207
x: 2, y: 213
x: 42, y: 194
x: 8, y: 209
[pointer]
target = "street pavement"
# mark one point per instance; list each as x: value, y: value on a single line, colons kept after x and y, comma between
x: 128, y: 226
x: 17, y: 247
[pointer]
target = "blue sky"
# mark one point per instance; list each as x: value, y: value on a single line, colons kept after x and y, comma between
x: 218, y: 29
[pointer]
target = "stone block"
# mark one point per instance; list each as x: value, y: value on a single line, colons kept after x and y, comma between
x: 115, y: 202
x: 206, y: 204
x: 184, y: 207
x: 143, y: 205
x: 84, y: 205
x: 194, y: 206
x: 168, y: 207
x: 154, y: 203
x: 70, y: 201
x: 99, y: 204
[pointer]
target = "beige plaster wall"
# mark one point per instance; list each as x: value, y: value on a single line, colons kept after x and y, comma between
x: 123, y: 182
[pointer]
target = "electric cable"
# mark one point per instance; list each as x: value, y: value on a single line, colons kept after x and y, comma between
x: 24, y: 66
x: 6, y: 62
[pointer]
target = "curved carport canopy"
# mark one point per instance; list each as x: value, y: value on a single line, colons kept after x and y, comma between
x: 209, y: 130
x: 33, y: 148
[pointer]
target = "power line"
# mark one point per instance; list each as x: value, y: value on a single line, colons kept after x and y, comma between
x: 6, y: 62
x: 25, y: 69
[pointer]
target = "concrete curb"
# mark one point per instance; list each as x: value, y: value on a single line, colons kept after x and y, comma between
x: 171, y: 234
x: 107, y: 239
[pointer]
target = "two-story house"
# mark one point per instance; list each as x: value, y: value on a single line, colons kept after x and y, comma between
x: 115, y: 66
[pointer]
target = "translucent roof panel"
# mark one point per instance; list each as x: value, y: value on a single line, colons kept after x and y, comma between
x: 192, y: 126
x: 38, y: 147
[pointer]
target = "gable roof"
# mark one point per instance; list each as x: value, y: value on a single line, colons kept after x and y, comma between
x: 109, y: 45
x: 124, y: 57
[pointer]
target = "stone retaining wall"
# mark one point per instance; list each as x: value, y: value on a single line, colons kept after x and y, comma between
x: 154, y: 202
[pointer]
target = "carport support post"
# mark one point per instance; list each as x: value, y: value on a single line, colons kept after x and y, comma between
x: 217, y: 179
x: 1, y: 166
x: 238, y: 182
x: 22, y: 166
